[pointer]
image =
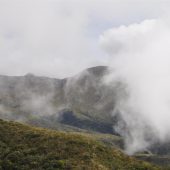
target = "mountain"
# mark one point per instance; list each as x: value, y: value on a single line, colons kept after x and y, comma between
x: 82, y: 103
x: 23, y: 147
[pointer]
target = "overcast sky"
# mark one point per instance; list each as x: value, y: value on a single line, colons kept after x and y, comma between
x: 59, y: 38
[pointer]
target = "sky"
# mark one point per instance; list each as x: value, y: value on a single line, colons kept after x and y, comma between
x: 59, y: 38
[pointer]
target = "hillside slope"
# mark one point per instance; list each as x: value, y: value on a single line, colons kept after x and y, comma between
x: 26, y: 148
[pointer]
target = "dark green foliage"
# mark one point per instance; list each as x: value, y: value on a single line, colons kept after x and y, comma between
x: 26, y: 148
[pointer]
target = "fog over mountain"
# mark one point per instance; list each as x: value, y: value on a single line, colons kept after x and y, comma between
x: 42, y: 96
x: 86, y: 102
x: 124, y: 44
x: 141, y: 60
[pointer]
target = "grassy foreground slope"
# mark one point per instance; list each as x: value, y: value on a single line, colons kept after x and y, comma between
x: 24, y: 147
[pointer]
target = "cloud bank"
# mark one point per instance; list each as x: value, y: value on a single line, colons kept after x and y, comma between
x: 58, y: 38
x: 141, y: 60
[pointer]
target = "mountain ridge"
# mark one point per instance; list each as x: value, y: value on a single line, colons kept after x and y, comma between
x: 82, y: 103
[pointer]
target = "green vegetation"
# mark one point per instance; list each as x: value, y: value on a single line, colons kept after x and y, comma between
x: 162, y: 160
x: 24, y: 147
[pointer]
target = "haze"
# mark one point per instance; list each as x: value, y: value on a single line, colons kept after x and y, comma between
x: 59, y: 38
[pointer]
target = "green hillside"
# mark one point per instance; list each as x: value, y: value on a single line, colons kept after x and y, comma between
x: 23, y: 147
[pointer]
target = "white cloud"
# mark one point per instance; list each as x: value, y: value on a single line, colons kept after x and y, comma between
x: 141, y: 58
x: 58, y: 38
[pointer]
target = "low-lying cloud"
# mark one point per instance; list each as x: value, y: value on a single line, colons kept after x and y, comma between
x: 141, y: 60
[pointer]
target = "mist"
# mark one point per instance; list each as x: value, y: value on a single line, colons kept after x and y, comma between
x: 58, y: 38
x: 141, y: 61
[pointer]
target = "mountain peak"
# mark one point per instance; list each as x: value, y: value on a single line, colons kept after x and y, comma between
x: 98, y: 70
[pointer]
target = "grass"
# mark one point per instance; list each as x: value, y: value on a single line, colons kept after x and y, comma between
x: 23, y: 147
